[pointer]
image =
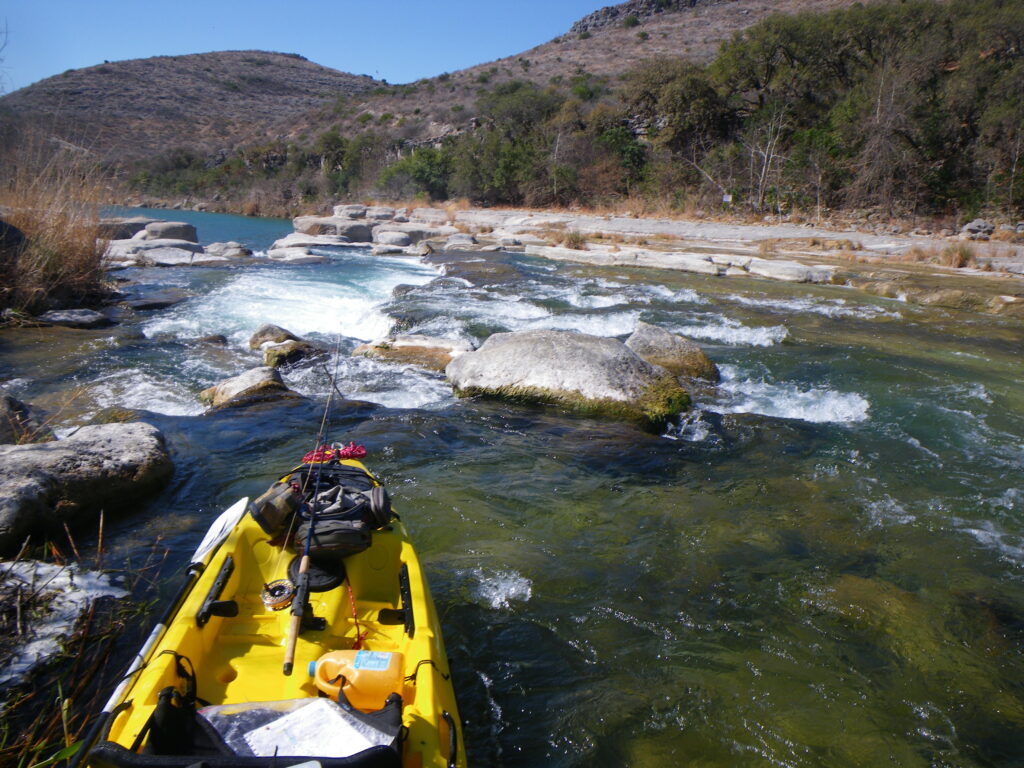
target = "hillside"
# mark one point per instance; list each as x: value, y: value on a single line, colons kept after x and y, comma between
x: 215, y: 102
x: 212, y: 101
x: 599, y: 47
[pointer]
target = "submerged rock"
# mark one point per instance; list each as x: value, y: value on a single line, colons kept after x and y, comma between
x: 97, y: 468
x: 590, y: 374
x: 676, y: 354
x: 158, y: 299
x: 254, y: 386
x: 426, y: 351
x: 76, y: 318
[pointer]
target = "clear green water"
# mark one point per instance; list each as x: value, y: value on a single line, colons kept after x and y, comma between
x: 824, y: 566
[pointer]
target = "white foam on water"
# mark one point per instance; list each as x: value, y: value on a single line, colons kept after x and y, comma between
x: 691, y: 427
x: 739, y: 394
x: 613, y: 324
x: 303, y: 301
x: 729, y: 331
x: 1009, y: 546
x: 826, y: 307
x: 143, y: 391
x: 360, y: 378
x: 501, y: 587
x: 887, y: 511
x: 683, y: 295
x: 67, y: 591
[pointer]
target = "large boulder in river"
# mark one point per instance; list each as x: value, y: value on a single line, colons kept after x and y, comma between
x: 426, y: 351
x: 254, y: 386
x: 171, y: 230
x: 675, y: 354
x: 98, y: 468
x: 590, y: 374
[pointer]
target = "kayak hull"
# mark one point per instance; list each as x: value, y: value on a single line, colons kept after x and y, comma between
x: 226, y: 638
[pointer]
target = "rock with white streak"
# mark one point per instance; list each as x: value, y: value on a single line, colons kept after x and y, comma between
x: 414, y: 349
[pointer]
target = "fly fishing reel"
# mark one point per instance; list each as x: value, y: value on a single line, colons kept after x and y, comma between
x: 277, y: 595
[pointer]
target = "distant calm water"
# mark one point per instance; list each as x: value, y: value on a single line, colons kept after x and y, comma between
x: 821, y: 565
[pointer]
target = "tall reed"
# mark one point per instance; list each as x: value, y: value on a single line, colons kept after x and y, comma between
x: 52, y: 193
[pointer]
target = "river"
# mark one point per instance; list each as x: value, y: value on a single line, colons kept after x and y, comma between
x: 821, y: 565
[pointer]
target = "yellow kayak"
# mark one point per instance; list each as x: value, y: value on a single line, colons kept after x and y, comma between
x: 306, y: 635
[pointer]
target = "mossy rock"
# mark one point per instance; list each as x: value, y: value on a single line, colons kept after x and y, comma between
x: 290, y: 353
x: 659, y: 404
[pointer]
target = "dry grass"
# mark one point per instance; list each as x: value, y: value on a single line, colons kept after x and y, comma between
x: 575, y: 240
x: 1007, y: 236
x: 53, y: 197
x: 958, y: 256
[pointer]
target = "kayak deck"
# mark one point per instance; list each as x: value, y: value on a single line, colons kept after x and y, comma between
x: 384, y: 606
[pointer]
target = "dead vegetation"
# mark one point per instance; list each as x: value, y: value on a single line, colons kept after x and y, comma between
x: 54, y: 198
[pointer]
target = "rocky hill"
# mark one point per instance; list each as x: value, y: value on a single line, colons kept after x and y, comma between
x: 209, y: 101
x: 598, y: 48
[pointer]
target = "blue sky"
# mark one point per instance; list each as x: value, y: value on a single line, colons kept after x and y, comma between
x: 400, y: 41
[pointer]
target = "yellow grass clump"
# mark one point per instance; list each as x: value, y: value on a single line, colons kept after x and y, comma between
x: 54, y: 198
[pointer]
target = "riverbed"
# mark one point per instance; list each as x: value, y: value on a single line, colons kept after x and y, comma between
x: 821, y: 564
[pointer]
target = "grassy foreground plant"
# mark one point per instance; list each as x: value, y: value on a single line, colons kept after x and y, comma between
x: 53, y: 196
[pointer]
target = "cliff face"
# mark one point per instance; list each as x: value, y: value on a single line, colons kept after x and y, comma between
x: 616, y: 15
x: 204, y: 101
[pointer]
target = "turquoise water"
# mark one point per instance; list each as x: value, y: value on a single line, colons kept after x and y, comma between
x: 821, y: 565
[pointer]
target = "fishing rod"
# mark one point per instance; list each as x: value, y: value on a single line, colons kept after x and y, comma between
x: 300, y: 602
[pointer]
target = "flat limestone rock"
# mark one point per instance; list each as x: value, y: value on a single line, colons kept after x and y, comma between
x: 100, y: 467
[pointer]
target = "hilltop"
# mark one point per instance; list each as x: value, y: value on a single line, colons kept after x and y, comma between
x: 211, y: 101
x: 216, y: 102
